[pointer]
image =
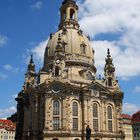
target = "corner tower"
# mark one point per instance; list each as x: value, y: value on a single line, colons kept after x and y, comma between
x: 109, y: 72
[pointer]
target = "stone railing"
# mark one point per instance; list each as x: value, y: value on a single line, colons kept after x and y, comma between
x: 77, y: 57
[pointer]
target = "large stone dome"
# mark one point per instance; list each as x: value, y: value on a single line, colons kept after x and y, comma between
x: 75, y: 44
x: 68, y: 54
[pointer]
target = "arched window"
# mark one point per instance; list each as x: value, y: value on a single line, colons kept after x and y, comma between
x: 56, y: 71
x: 56, y: 115
x: 95, y: 117
x: 31, y: 116
x: 56, y: 108
x: 109, y: 81
x: 72, y: 13
x: 109, y: 115
x: 64, y: 15
x: 46, y: 51
x: 75, y: 115
x: 83, y: 48
x: 89, y: 76
x: 75, y: 109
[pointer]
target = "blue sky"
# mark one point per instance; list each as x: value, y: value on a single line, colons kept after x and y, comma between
x: 25, y: 27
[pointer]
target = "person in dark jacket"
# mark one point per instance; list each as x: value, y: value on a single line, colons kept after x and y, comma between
x: 88, y: 132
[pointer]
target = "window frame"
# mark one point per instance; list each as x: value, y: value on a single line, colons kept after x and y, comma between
x: 75, y: 116
x: 95, y: 114
x: 56, y: 111
x: 110, y: 118
x: 83, y: 48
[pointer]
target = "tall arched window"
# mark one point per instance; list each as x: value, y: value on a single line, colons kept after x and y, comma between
x: 56, y: 71
x: 46, y: 51
x: 83, y: 48
x: 95, y: 117
x: 75, y: 115
x: 109, y: 115
x: 109, y: 81
x: 56, y: 115
x: 75, y: 109
x: 31, y: 116
x: 56, y: 108
x: 64, y: 15
x: 72, y: 14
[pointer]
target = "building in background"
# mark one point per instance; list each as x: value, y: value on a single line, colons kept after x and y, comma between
x: 127, y: 126
x: 65, y: 96
x: 13, y: 118
x: 7, y: 130
x: 136, y: 125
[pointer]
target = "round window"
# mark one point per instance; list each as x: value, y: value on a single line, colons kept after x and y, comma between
x: 55, y: 88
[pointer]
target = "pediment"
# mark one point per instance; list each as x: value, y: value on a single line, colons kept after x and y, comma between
x: 59, y: 88
x: 99, y: 90
x: 96, y: 86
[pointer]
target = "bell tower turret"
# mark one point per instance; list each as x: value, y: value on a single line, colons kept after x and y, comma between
x: 69, y: 14
x: 109, y: 71
x: 30, y: 76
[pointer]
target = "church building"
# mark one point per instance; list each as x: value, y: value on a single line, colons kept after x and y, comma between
x: 65, y: 96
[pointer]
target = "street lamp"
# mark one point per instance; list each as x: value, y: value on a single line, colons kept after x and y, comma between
x: 28, y: 134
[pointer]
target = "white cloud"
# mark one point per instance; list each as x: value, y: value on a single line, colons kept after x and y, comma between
x: 130, y: 108
x: 109, y: 16
x: 4, y: 118
x: 7, y: 112
x: 38, y: 5
x: 10, y: 68
x: 137, y: 89
x: 120, y: 18
x: 3, y: 76
x: 38, y: 51
x: 3, y: 40
x: 7, y: 67
x: 14, y: 96
x: 12, y: 100
x: 126, y: 61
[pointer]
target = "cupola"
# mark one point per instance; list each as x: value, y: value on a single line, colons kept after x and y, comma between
x: 69, y: 14
x: 30, y: 76
x: 109, y: 70
x: 69, y: 49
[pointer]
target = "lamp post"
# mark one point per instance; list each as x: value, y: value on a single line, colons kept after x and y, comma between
x: 28, y: 134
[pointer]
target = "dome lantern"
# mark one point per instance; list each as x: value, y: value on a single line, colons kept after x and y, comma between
x: 69, y: 14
